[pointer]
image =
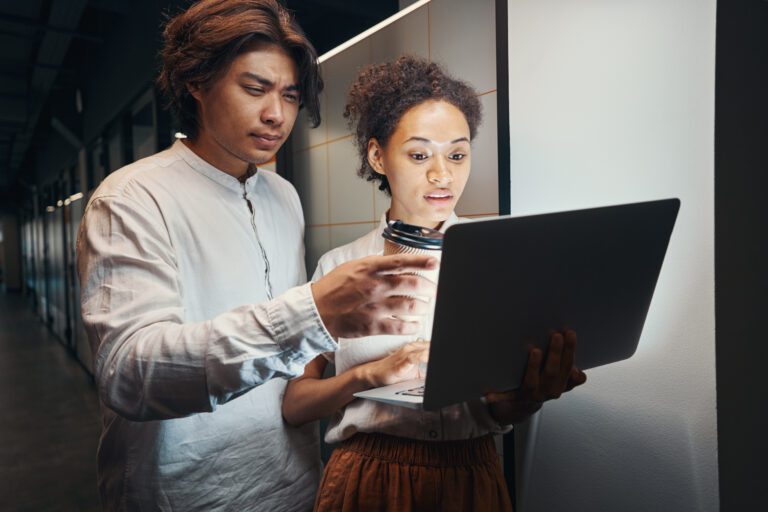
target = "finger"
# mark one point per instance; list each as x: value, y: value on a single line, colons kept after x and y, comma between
x: 577, y: 378
x: 408, y: 284
x: 396, y: 326
x: 414, y: 347
x: 569, y: 353
x: 554, y: 356
x: 531, y: 379
x: 399, y: 305
x: 402, y: 263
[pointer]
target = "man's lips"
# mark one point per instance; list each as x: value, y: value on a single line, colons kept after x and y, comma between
x: 267, y: 140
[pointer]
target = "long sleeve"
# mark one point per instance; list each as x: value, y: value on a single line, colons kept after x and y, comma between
x: 149, y: 363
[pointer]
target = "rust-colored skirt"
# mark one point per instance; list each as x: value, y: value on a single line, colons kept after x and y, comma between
x: 376, y: 472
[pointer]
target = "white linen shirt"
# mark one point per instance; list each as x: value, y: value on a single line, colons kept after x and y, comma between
x: 190, y: 354
x: 461, y: 421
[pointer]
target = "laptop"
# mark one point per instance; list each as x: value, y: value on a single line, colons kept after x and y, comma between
x: 506, y: 282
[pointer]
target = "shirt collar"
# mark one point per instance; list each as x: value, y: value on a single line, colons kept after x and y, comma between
x: 222, y: 178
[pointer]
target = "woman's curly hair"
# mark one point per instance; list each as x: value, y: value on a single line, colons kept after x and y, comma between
x: 381, y: 94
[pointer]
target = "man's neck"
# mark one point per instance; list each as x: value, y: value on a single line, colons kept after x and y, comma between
x: 213, y: 153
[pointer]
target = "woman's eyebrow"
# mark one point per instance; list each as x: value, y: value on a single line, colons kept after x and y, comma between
x: 423, y: 139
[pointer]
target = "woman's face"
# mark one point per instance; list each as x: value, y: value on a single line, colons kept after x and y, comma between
x: 426, y: 161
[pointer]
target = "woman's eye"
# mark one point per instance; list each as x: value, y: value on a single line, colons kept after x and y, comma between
x: 457, y: 156
x: 418, y: 156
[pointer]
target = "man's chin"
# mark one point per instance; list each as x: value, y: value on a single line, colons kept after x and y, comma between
x: 258, y: 158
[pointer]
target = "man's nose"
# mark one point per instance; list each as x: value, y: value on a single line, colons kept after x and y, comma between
x: 272, y: 113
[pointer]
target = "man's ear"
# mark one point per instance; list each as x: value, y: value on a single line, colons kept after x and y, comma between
x: 194, y: 90
x: 375, y: 156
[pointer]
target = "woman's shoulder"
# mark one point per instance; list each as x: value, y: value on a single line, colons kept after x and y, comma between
x: 360, y: 248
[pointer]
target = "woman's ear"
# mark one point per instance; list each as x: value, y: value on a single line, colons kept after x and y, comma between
x: 194, y: 90
x: 375, y: 156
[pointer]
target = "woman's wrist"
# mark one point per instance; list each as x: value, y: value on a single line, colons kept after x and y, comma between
x: 507, y: 412
x: 363, y: 377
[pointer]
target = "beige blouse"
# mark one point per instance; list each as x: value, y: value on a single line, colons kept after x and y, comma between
x: 460, y: 421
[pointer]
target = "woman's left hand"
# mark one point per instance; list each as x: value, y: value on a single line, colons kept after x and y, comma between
x: 543, y: 381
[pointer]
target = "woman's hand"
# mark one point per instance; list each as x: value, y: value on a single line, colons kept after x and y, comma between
x: 399, y: 366
x: 542, y: 381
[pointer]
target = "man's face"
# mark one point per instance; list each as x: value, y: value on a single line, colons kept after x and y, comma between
x: 249, y: 111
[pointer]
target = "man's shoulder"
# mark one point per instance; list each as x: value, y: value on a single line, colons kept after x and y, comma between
x: 141, y: 172
x: 273, y: 180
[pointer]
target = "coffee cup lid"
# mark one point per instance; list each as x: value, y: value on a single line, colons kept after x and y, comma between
x: 409, y: 235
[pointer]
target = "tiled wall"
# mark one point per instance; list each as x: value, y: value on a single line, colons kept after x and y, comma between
x: 338, y: 205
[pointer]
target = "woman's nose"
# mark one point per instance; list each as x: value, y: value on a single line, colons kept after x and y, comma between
x: 439, y: 174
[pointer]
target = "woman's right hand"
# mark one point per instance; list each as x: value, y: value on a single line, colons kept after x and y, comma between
x: 399, y: 366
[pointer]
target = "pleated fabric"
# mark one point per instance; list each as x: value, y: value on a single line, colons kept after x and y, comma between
x: 380, y: 473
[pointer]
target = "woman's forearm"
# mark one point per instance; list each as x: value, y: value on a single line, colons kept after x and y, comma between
x: 309, y: 399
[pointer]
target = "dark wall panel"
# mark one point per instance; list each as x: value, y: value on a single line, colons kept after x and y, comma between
x: 741, y: 250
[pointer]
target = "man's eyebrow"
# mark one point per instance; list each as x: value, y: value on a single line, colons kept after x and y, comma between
x: 422, y: 139
x: 265, y: 81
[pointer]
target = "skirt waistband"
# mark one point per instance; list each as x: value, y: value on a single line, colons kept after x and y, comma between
x: 465, y: 452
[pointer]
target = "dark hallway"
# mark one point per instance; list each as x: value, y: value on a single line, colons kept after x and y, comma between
x: 50, y: 424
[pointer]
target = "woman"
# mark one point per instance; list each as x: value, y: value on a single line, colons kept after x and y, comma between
x: 413, y: 127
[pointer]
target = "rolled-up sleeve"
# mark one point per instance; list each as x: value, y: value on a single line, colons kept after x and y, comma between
x: 149, y: 363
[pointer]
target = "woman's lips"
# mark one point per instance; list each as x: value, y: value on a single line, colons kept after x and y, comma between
x: 439, y: 198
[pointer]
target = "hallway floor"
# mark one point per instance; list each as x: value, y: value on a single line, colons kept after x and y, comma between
x: 50, y: 418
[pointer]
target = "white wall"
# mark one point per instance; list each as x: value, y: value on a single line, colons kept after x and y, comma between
x: 338, y: 205
x: 613, y: 101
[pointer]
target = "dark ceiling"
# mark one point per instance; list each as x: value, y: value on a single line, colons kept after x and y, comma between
x: 45, y: 46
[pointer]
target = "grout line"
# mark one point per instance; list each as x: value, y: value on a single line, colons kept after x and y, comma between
x: 337, y: 139
x: 356, y: 223
x: 328, y: 189
x: 429, y: 33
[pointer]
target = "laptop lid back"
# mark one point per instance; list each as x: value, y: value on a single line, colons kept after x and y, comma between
x: 506, y: 283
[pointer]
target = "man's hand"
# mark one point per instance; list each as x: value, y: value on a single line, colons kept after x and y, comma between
x: 549, y: 381
x: 399, y: 366
x: 366, y: 296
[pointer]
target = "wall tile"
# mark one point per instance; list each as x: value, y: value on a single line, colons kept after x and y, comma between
x: 408, y: 35
x: 338, y: 74
x: 380, y: 202
x: 481, y: 194
x: 310, y: 177
x: 344, y: 234
x: 317, y: 241
x: 303, y: 135
x: 463, y: 38
x: 351, y: 197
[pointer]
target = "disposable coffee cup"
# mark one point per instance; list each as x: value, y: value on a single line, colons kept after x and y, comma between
x: 402, y: 238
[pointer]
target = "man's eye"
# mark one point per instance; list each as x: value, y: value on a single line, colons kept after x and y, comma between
x: 293, y: 98
x: 418, y: 156
x: 254, y: 90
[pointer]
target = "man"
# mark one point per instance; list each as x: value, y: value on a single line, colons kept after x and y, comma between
x: 191, y: 268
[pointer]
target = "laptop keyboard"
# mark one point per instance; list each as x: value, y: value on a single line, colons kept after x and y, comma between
x: 419, y: 391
